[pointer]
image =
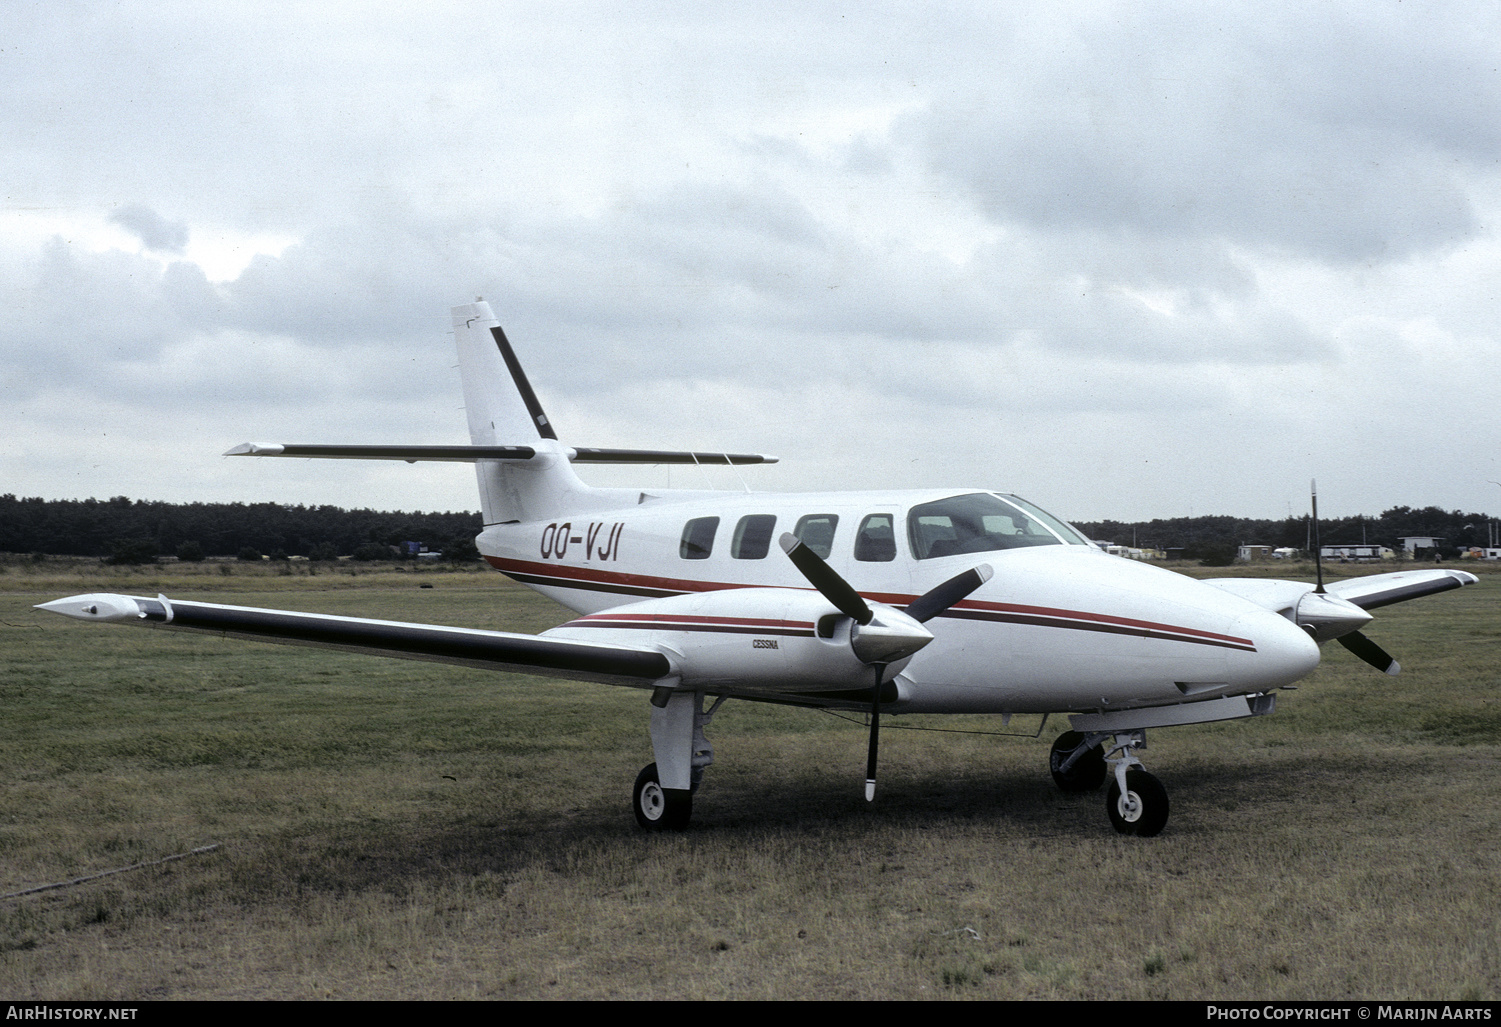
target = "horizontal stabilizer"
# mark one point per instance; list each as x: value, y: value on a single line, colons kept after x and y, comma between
x: 469, y: 454
x: 487, y: 650
x: 411, y: 454
x: 661, y: 456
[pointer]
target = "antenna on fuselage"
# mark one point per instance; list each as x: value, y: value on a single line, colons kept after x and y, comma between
x: 1318, y: 551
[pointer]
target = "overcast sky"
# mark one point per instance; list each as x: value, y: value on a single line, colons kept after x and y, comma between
x: 1127, y: 260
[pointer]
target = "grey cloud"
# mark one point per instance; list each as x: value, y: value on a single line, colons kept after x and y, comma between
x: 154, y: 231
x: 1169, y: 196
x: 1339, y: 138
x: 71, y: 309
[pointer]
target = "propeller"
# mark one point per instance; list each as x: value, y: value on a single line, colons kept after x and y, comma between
x: 933, y: 602
x: 884, y: 639
x: 824, y: 578
x: 1370, y: 652
x: 1339, y: 624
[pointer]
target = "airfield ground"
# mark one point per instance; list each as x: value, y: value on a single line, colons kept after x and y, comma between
x: 392, y: 829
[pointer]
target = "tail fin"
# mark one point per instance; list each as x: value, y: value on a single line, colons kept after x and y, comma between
x: 504, y: 411
x: 524, y: 471
x: 494, y: 381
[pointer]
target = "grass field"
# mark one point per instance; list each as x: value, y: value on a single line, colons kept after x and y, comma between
x: 393, y: 829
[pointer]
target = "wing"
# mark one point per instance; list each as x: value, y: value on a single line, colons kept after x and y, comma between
x: 1343, y: 608
x: 1377, y: 590
x: 1368, y: 593
x: 469, y: 647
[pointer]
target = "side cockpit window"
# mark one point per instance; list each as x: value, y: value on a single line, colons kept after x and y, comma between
x: 752, y: 538
x: 698, y: 538
x: 875, y: 542
x: 816, y: 531
x: 978, y: 523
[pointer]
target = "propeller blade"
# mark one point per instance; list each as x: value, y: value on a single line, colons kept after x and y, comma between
x: 870, y: 753
x: 1370, y: 652
x: 824, y: 578
x: 933, y: 602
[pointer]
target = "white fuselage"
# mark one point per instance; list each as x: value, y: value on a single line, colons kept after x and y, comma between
x: 1061, y: 627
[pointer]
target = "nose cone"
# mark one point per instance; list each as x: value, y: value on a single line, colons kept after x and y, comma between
x: 1284, y: 652
x: 890, y: 636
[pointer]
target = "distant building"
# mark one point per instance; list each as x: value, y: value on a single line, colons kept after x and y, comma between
x: 1355, y: 551
x: 1249, y: 553
x: 1412, y: 543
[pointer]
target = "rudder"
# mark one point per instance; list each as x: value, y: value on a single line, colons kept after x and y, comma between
x: 503, y: 410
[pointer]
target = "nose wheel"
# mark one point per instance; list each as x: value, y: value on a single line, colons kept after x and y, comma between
x: 1141, y: 807
x: 1136, y: 801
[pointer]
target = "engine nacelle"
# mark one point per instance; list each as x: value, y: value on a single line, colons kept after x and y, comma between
x: 773, y: 640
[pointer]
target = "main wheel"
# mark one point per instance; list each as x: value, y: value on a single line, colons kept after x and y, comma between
x: 1088, y: 771
x: 1142, y: 811
x: 658, y: 808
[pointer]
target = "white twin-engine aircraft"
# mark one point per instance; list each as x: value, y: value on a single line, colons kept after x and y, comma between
x: 926, y: 601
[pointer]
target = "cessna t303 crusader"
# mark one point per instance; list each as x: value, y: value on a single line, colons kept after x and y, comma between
x: 927, y: 601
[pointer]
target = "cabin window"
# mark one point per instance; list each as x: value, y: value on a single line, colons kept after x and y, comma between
x: 875, y: 542
x: 817, y: 532
x: 977, y: 523
x: 698, y: 538
x: 752, y: 538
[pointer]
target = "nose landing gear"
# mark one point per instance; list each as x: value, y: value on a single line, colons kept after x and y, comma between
x: 1136, y: 801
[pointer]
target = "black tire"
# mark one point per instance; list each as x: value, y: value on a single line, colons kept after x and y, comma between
x: 658, y: 808
x: 1087, y: 773
x: 1146, y: 815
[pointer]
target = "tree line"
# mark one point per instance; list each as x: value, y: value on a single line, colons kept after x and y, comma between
x: 1210, y: 537
x: 134, y: 531
x: 130, y: 530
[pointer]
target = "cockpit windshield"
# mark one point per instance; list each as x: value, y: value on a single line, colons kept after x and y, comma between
x: 982, y: 523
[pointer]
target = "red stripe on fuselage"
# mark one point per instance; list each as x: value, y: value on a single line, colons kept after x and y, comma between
x: 593, y: 580
x: 602, y: 581
x: 689, y: 622
x: 743, y: 621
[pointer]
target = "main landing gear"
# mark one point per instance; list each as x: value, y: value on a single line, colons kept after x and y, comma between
x: 663, y: 797
x: 1136, y: 801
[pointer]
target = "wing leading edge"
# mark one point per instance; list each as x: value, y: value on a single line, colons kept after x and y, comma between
x: 1369, y: 592
x: 1377, y: 590
x: 469, y: 647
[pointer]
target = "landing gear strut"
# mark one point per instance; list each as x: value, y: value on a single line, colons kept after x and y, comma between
x: 1077, y: 765
x: 1136, y: 802
x: 663, y: 797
